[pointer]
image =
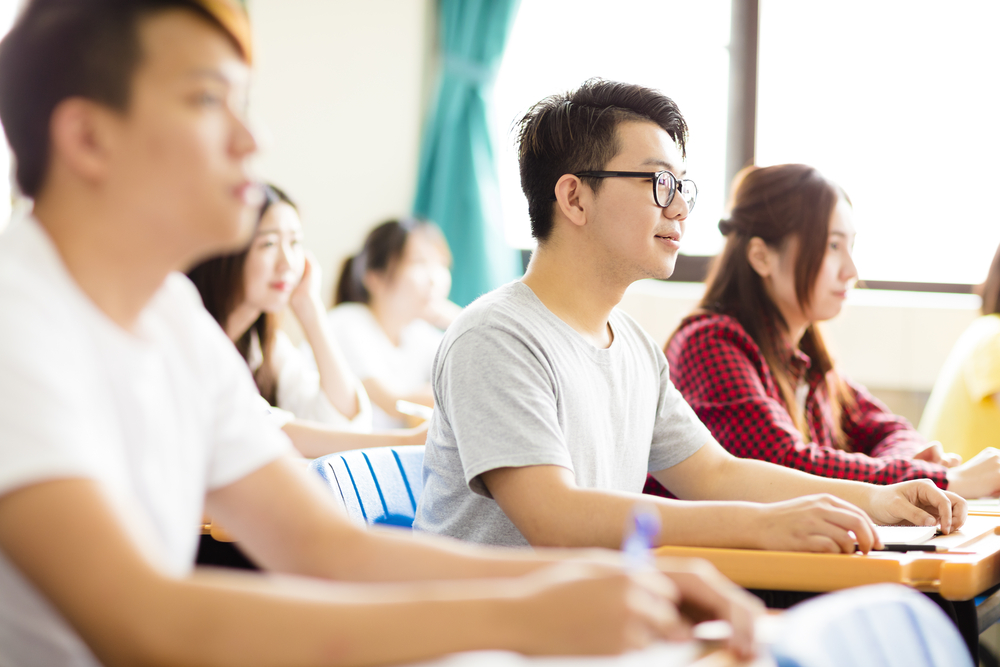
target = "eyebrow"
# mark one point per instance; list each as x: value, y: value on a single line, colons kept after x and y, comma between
x: 844, y: 234
x: 666, y: 165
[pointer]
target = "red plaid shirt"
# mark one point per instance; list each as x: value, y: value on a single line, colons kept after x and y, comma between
x: 720, y: 371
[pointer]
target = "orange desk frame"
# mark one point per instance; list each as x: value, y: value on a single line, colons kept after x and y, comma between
x: 955, y: 576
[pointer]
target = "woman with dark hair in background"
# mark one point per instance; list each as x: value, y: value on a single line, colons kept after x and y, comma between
x: 245, y: 292
x: 390, y: 308
x: 753, y: 365
x: 963, y: 411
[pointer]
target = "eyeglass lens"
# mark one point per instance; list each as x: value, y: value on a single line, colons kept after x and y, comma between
x: 667, y: 184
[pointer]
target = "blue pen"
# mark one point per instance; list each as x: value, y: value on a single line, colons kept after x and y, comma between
x: 644, y: 526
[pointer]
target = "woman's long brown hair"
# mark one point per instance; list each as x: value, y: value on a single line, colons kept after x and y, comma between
x: 990, y: 290
x: 776, y: 204
x: 220, y: 282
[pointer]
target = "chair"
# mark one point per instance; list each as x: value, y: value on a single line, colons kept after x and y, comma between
x: 885, y: 625
x: 378, y: 486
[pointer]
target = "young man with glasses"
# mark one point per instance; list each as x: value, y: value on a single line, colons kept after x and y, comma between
x: 552, y: 406
x: 124, y: 409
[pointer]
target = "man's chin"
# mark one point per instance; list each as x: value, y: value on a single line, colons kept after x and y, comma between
x: 667, y: 268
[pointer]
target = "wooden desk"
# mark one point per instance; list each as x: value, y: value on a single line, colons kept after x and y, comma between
x: 955, y: 576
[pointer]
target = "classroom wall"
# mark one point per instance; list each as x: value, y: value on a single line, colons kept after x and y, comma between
x: 339, y: 96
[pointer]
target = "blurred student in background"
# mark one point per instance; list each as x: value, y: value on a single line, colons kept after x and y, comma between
x: 246, y: 292
x: 753, y: 365
x: 963, y: 411
x: 390, y: 307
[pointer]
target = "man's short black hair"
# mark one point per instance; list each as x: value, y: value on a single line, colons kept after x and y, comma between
x: 59, y: 49
x: 578, y: 131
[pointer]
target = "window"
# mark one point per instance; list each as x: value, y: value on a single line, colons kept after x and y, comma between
x: 896, y: 101
x: 674, y: 46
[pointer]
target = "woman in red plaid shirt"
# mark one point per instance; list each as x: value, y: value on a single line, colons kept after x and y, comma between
x: 752, y: 363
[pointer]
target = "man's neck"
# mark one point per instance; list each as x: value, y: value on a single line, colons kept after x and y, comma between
x: 113, y: 264
x: 575, y: 290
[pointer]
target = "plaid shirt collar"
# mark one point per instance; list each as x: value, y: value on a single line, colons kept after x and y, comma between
x: 798, y: 363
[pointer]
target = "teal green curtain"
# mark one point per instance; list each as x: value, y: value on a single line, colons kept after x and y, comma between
x: 458, y: 186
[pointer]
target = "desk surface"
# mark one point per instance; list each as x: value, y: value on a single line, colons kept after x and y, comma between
x: 955, y: 576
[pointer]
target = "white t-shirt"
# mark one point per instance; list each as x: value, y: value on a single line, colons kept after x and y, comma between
x: 401, y: 370
x: 300, y: 393
x: 157, y: 416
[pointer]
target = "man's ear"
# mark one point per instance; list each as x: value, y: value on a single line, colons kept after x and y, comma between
x: 568, y: 190
x: 761, y: 256
x: 81, y: 132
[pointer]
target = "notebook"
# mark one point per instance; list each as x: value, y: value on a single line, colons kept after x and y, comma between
x: 905, y: 534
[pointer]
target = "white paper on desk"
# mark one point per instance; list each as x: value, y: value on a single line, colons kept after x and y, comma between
x: 661, y: 654
x: 905, y: 534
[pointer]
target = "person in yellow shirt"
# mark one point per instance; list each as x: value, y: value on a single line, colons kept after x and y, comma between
x: 963, y: 411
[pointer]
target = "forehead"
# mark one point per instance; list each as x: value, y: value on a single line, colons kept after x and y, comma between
x: 279, y: 217
x: 842, y: 218
x: 178, y: 45
x: 646, y: 146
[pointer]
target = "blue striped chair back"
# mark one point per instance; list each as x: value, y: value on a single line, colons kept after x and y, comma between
x: 378, y: 486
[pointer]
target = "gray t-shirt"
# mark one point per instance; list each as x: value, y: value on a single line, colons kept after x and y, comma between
x: 516, y: 386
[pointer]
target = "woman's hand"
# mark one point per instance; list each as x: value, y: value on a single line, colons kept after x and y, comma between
x: 577, y: 608
x: 918, y: 502
x: 305, y: 299
x: 979, y: 478
x: 934, y: 453
x: 818, y: 523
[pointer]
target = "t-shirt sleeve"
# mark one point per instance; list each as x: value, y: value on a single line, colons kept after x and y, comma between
x: 678, y: 433
x: 499, y: 399
x: 244, y: 436
x: 981, y: 368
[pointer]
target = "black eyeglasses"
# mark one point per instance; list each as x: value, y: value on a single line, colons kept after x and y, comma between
x: 665, y: 185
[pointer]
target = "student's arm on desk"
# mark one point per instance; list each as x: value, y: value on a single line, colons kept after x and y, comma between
x: 714, y: 473
x: 78, y: 548
x: 549, y: 509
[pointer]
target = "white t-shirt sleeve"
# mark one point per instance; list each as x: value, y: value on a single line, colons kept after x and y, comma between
x: 244, y: 437
x: 301, y: 393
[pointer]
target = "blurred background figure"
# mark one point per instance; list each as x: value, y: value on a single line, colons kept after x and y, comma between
x: 963, y: 411
x: 390, y: 308
x: 323, y: 408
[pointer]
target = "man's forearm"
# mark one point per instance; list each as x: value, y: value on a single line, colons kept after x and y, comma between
x: 242, y: 620
x: 763, y: 482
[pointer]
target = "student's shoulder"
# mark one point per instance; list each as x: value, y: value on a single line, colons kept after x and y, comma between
x: 980, y: 342
x: 352, y: 319
x: 706, y: 328
x: 38, y: 299
x: 508, y: 311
